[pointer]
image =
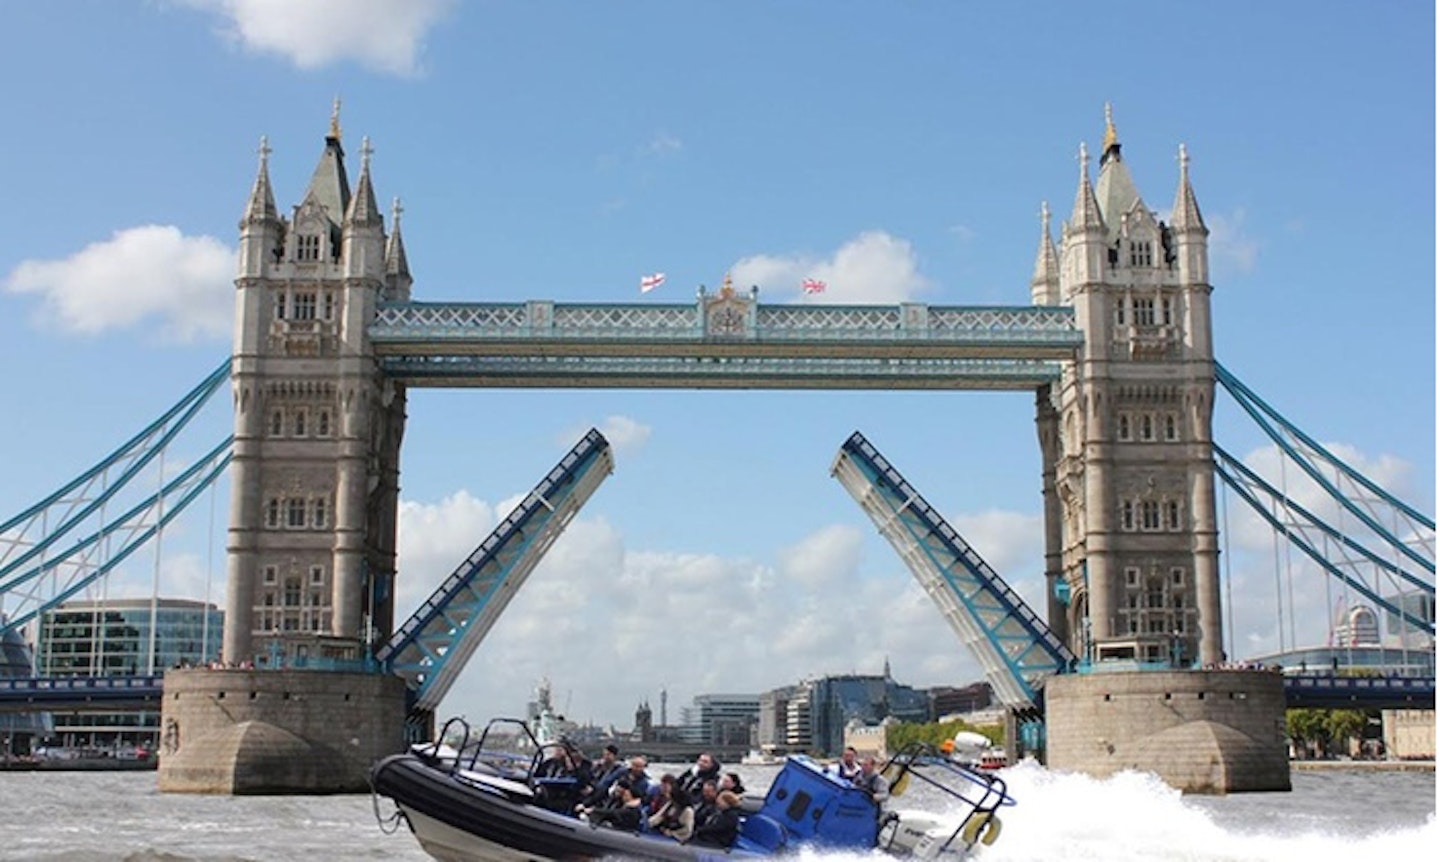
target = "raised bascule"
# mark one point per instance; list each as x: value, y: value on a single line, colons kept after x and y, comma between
x: 319, y: 679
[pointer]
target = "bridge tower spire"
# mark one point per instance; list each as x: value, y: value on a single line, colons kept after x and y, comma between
x: 1129, y: 503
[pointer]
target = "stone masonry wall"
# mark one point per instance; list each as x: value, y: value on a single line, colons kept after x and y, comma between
x: 1200, y: 731
x: 247, y: 731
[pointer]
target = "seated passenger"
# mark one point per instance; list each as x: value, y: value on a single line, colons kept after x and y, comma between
x: 559, y: 779
x: 624, y: 811
x: 603, y: 773
x: 705, y: 768
x: 708, y: 804
x: 721, y: 829
x: 731, y: 781
x: 847, y: 769
x: 676, y: 818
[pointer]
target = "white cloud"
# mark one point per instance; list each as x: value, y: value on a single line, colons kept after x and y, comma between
x: 625, y: 434
x: 874, y: 267
x: 382, y: 35
x: 140, y: 273
x: 612, y: 626
x: 664, y: 143
x: 1230, y: 246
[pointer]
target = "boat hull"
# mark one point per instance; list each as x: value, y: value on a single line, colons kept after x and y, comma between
x: 476, y: 818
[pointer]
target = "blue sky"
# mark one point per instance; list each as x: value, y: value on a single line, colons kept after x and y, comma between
x: 561, y: 150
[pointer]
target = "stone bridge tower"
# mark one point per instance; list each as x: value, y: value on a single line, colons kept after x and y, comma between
x: 1129, y: 487
x: 311, y: 549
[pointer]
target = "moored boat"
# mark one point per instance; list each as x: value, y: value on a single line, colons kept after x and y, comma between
x: 466, y: 803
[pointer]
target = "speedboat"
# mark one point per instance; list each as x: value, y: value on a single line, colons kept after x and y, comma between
x: 465, y: 802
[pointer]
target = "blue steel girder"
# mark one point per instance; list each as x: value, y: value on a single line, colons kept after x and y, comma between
x: 1238, y: 482
x: 911, y: 346
x: 92, y: 557
x: 432, y: 646
x: 1015, y: 648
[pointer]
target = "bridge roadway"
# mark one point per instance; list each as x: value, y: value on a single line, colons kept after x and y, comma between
x: 724, y: 340
x: 123, y: 693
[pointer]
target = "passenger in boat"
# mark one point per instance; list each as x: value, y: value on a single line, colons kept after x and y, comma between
x: 675, y: 818
x: 731, y: 781
x: 873, y: 782
x: 705, y: 768
x: 847, y: 769
x: 708, y: 804
x: 603, y: 773
x: 721, y: 829
x: 560, y: 779
x: 621, y: 812
x: 636, y: 776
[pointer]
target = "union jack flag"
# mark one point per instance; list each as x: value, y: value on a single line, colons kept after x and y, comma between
x: 813, y: 285
x: 650, y: 282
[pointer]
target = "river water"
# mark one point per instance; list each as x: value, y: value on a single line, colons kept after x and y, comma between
x: 1348, y: 814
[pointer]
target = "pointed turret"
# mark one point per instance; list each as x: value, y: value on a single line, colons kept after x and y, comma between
x: 1045, y: 282
x: 363, y: 209
x: 1115, y: 189
x: 329, y: 186
x: 261, y: 229
x: 397, y: 265
x: 1086, y: 214
x: 1186, y: 213
x: 1192, y: 253
x: 261, y: 208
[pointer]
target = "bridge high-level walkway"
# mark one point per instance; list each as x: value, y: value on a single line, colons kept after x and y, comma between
x: 725, y: 340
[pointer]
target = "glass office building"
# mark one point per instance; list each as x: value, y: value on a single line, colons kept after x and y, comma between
x: 122, y: 637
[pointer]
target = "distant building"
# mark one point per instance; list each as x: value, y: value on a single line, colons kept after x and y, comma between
x: 812, y: 716
x: 1358, y: 627
x: 948, y: 700
x: 19, y: 731
x: 1398, y: 632
x: 722, y: 720
x: 117, y: 638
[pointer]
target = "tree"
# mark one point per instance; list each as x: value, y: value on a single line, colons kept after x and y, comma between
x: 1344, y: 725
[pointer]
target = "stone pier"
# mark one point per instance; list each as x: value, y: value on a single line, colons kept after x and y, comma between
x: 277, y: 731
x: 1201, y: 731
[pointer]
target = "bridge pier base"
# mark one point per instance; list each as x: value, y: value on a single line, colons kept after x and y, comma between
x: 276, y: 731
x: 1200, y: 731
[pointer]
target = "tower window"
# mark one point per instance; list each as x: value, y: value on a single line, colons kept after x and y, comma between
x: 322, y: 424
x: 1177, y: 577
x: 1147, y: 426
x: 1167, y: 311
x: 277, y: 423
x: 1132, y: 576
x: 1122, y: 426
x: 1172, y: 427
x: 292, y: 592
x: 1144, y: 311
x: 1141, y: 253
x: 305, y: 305
x: 320, y: 514
x: 272, y: 513
x: 1127, y: 516
x: 1150, y: 515
x: 330, y: 305
x: 295, y: 512
x: 1120, y: 312
x: 1172, y: 515
x: 270, y: 574
x: 307, y: 248
x: 280, y: 306
x: 299, y: 423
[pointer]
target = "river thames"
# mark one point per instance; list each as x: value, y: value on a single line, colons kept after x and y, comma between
x: 1335, y: 814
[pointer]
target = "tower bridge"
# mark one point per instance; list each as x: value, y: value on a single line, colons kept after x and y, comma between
x: 1115, y: 343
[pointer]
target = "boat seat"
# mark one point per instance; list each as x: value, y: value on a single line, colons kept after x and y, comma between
x: 760, y: 833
